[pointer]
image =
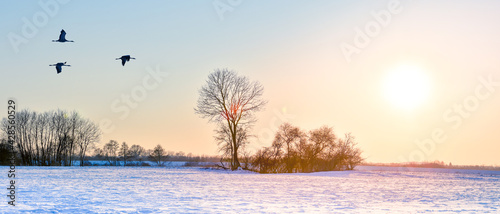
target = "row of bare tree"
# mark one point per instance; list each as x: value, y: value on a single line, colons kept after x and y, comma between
x: 115, y: 154
x: 53, y: 137
x: 112, y: 152
x: 294, y: 150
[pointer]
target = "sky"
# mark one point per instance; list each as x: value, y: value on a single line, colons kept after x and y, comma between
x: 411, y: 80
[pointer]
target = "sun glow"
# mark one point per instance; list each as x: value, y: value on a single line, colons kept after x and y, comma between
x: 406, y: 87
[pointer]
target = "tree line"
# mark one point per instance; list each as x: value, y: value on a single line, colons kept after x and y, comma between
x: 227, y: 99
x: 53, y: 137
x: 116, y: 154
x: 113, y: 153
x: 59, y: 138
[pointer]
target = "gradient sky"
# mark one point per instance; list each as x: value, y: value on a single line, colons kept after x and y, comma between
x: 291, y: 47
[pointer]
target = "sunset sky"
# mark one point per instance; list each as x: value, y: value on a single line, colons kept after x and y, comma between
x: 394, y: 73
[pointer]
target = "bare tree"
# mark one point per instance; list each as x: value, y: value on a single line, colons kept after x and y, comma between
x: 321, y: 139
x: 22, y: 141
x: 231, y: 100
x: 158, y: 155
x: 87, y: 134
x: 261, y: 160
x: 63, y: 138
x: 287, y: 138
x: 136, y: 152
x: 124, y: 153
x: 99, y: 153
x: 350, y: 155
x: 110, y: 150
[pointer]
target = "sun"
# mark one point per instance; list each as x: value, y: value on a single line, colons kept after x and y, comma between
x: 406, y: 87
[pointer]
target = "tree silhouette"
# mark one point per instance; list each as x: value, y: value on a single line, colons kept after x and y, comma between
x: 158, y: 155
x: 124, y: 153
x: 110, y: 150
x: 230, y: 101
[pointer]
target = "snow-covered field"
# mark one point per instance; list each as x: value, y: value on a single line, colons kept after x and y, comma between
x: 97, y: 189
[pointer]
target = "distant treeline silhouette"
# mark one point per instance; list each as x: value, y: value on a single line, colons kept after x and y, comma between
x: 123, y: 155
x: 294, y: 150
x: 51, y: 138
x: 60, y: 138
x: 435, y: 164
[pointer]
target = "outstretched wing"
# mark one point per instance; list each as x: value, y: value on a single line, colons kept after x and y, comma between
x: 123, y: 61
x: 62, y: 37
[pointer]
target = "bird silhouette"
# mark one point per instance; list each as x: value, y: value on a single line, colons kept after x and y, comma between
x: 62, y: 37
x: 125, y: 58
x: 59, y: 66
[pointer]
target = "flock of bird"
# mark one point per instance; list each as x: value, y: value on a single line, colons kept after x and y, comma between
x: 62, y: 38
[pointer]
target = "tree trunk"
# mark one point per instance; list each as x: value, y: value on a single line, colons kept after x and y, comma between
x: 236, y: 162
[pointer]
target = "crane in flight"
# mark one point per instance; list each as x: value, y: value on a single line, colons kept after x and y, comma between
x: 125, y: 58
x: 59, y: 66
x: 62, y: 37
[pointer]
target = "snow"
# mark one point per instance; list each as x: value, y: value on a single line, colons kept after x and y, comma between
x: 105, y: 189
